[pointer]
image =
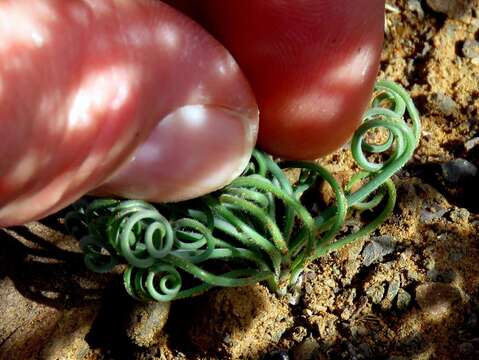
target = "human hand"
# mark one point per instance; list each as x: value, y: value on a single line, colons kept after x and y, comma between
x: 84, y: 85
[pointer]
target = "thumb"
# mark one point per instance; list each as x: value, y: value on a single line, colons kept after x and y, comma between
x: 84, y: 83
x: 193, y: 151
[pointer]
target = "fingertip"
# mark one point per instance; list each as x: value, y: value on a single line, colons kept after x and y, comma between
x: 195, y: 150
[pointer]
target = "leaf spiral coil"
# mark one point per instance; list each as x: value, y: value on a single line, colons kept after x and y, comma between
x: 255, y: 229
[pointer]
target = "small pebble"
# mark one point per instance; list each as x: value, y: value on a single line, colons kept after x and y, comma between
x: 445, y: 103
x: 403, y: 299
x: 460, y: 215
x: 375, y: 293
x: 427, y: 216
x: 227, y: 339
x: 458, y: 171
x: 471, y: 144
x: 430, y: 263
x: 415, y: 5
x: 359, y: 330
x: 470, y: 49
x: 346, y: 314
x: 330, y: 283
x: 393, y: 288
x: 299, y: 333
x: 377, y: 249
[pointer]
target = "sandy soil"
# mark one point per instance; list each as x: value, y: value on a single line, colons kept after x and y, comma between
x: 409, y: 291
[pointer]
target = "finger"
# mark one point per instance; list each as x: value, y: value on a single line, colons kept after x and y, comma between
x: 195, y: 150
x: 83, y: 83
x: 312, y: 65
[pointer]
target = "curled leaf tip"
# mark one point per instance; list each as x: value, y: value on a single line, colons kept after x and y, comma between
x: 255, y: 229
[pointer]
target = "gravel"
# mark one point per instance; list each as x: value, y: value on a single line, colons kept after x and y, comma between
x: 445, y: 103
x: 458, y: 171
x: 403, y: 299
x: 470, y: 49
x: 379, y: 247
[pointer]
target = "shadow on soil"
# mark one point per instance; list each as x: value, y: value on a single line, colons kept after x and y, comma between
x: 45, y: 273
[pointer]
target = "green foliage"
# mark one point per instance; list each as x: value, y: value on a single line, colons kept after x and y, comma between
x: 255, y: 229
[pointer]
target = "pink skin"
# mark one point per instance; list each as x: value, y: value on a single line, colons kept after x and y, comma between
x: 311, y: 63
x: 195, y: 150
x: 83, y: 83
x: 131, y: 98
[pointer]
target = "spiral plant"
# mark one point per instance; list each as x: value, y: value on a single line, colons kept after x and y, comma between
x: 255, y: 229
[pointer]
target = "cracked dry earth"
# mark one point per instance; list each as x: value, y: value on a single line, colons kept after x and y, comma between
x: 409, y: 291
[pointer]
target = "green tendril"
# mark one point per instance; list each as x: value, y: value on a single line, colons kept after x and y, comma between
x: 255, y: 229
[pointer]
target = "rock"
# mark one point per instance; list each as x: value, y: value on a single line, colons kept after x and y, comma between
x: 445, y: 103
x: 330, y: 283
x: 452, y: 8
x: 460, y: 215
x: 437, y: 299
x: 451, y: 30
x: 458, y: 171
x: 470, y: 49
x: 326, y: 325
x: 276, y: 355
x: 377, y: 249
x: 403, y: 299
x: 471, y: 144
x: 147, y: 321
x: 294, y: 295
x: 466, y: 348
x: 299, y: 333
x: 346, y: 314
x: 393, y: 289
x: 427, y: 216
x: 306, y: 350
x: 375, y: 293
x: 430, y: 263
x: 415, y: 5
x: 358, y: 330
